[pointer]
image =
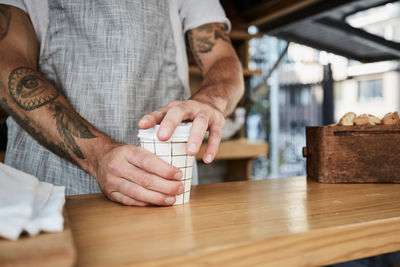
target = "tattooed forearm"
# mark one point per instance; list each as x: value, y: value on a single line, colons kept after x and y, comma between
x: 209, y: 28
x: 203, y: 39
x: 30, y: 91
x: 194, y: 51
x: 221, y: 32
x: 5, y: 17
x: 204, y: 45
x: 25, y: 123
x: 68, y: 125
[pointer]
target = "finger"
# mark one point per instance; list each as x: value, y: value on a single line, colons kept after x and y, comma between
x: 149, y: 180
x: 152, y: 119
x: 197, y: 132
x: 125, y: 200
x: 214, y: 139
x: 149, y: 162
x: 141, y: 194
x: 171, y: 120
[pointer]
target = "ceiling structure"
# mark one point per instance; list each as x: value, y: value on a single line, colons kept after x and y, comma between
x: 317, y: 23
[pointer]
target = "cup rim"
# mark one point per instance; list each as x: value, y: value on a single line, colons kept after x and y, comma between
x: 181, y: 133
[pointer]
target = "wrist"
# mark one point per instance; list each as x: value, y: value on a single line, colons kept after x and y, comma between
x: 95, y: 153
x: 217, y: 102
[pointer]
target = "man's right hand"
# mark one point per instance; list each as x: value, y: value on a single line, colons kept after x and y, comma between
x: 134, y: 176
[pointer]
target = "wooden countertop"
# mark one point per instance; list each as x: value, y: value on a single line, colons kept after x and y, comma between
x: 282, y: 222
x: 237, y: 149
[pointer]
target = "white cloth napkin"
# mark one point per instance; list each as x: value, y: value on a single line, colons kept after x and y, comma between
x: 28, y: 204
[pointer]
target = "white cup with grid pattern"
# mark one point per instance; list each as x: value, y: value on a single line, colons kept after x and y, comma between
x: 172, y: 151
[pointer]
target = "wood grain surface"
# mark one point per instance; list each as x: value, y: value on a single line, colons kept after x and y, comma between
x: 45, y: 249
x: 282, y: 222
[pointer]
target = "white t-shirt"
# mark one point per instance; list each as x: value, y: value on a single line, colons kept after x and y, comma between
x: 184, y: 15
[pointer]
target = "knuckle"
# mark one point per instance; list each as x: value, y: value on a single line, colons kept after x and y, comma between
x: 144, y: 180
x: 217, y: 134
x: 202, y: 117
x: 158, y: 114
x: 145, y: 161
x: 177, y: 109
x: 113, y: 167
x: 170, y: 172
x: 173, y: 103
x: 133, y: 192
x: 219, y: 122
x: 192, y: 102
x: 173, y: 189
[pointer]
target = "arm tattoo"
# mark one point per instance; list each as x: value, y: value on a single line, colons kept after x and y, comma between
x: 25, y: 123
x: 68, y: 125
x: 221, y: 32
x: 206, y: 27
x: 194, y: 50
x: 205, y: 45
x: 30, y: 91
x: 202, y: 39
x: 5, y: 17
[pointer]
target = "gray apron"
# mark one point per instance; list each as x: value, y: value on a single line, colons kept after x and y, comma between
x: 115, y: 62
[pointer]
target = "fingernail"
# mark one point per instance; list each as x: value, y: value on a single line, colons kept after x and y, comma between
x: 143, y: 121
x: 163, y: 133
x: 209, y: 158
x: 192, y: 148
x: 170, y: 200
x: 178, y: 175
x: 180, y: 190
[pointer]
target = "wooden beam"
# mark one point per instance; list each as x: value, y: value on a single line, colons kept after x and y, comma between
x: 246, y: 72
x: 243, y: 35
x: 258, y: 16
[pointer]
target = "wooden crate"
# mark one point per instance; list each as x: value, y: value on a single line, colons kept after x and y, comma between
x: 353, y: 154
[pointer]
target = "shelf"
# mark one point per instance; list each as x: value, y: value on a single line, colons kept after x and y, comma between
x: 242, y: 35
x: 237, y: 149
x: 246, y: 72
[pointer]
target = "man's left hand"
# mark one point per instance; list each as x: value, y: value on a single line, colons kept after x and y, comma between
x: 204, y: 117
x: 220, y: 91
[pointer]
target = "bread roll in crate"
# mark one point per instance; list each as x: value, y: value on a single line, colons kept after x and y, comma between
x: 363, y: 151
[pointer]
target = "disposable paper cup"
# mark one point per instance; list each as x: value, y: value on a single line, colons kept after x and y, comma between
x: 172, y: 151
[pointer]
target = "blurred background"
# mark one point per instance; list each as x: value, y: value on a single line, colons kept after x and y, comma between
x: 306, y: 63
